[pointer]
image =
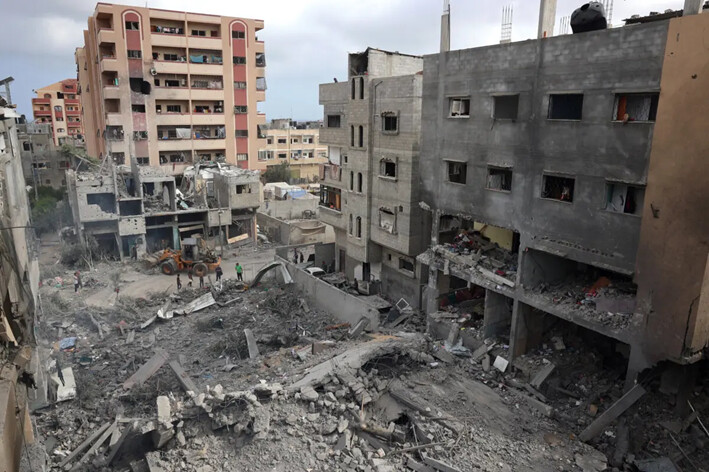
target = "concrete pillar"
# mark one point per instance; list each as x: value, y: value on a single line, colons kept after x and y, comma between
x: 547, y: 18
x: 636, y: 364
x: 431, y: 291
x: 527, y: 329
x: 498, y: 314
x: 446, y: 27
x: 692, y: 7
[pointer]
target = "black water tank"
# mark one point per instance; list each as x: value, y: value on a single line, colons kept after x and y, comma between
x: 590, y: 17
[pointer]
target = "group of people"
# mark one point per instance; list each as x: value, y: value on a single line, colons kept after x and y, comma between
x: 219, y: 272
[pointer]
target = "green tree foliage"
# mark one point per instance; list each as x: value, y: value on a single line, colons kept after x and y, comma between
x: 49, y: 209
x: 277, y: 173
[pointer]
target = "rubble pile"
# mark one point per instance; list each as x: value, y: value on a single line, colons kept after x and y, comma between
x: 480, y: 251
x: 608, y: 302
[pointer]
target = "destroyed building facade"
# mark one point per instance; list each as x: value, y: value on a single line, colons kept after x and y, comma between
x: 19, y: 285
x: 298, y: 145
x: 369, y: 191
x: 566, y: 182
x: 172, y: 88
x: 59, y: 106
x: 43, y: 164
x: 140, y: 206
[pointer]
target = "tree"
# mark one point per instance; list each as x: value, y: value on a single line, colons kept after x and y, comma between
x: 277, y: 173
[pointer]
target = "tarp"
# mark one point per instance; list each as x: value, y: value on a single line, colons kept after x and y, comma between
x: 198, y: 59
x: 183, y: 133
x: 270, y: 266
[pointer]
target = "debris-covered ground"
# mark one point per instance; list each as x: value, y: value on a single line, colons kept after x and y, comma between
x: 237, y: 378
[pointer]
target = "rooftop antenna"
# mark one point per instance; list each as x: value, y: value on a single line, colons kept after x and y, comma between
x: 446, y: 26
x: 564, y: 24
x: 507, y: 12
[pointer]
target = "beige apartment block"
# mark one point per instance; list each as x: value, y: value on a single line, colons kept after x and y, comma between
x: 59, y: 106
x: 172, y: 88
x: 296, y: 143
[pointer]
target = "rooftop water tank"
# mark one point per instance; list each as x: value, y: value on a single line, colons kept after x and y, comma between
x: 590, y: 17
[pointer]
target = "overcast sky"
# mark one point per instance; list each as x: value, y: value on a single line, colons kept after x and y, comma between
x: 306, y: 40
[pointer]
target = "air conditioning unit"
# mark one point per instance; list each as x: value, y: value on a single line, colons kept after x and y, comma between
x: 153, y: 71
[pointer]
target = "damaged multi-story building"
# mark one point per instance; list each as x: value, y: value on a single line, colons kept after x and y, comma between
x: 566, y: 179
x: 19, y: 284
x: 172, y: 88
x: 144, y: 208
x: 369, y: 189
x: 58, y: 105
x: 43, y: 163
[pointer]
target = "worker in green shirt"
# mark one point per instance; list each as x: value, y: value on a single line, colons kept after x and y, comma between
x: 239, y: 272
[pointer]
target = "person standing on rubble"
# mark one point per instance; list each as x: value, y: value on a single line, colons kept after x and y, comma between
x: 218, y: 271
x: 239, y: 272
x: 179, y: 283
x: 189, y: 277
x: 76, y: 281
x: 201, y: 281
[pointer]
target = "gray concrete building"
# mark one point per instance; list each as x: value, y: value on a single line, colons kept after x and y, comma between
x: 138, y: 206
x: 537, y: 166
x: 43, y: 164
x: 369, y: 189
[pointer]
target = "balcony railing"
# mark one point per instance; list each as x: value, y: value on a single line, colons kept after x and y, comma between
x: 206, y: 59
x: 167, y: 30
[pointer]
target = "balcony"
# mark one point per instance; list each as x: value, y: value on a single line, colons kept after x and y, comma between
x: 204, y: 42
x: 71, y: 101
x: 334, y: 136
x: 109, y: 64
x: 42, y: 112
x: 209, y: 144
x: 170, y: 67
x: 41, y: 101
x: 168, y: 40
x: 73, y: 124
x: 171, y: 93
x: 173, y: 144
x: 208, y: 119
x: 106, y: 35
x: 173, y: 119
x: 207, y: 94
x: 111, y: 92
x: 114, y: 119
x: 205, y: 69
x: 73, y: 112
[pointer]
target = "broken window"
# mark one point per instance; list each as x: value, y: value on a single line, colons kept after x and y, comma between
x: 506, y: 107
x: 361, y: 136
x: 105, y: 201
x: 623, y: 198
x: 114, y: 133
x: 134, y: 54
x: 140, y: 135
x: 387, y: 220
x: 57, y: 108
x: 283, y: 155
x: 354, y: 89
x: 387, y: 168
x: 240, y: 110
x: 143, y: 161
x: 132, y: 25
x: 460, y: 107
x: 457, y: 172
x: 282, y: 140
x: 352, y: 136
x: 636, y: 106
x: 137, y: 108
x: 390, y: 122
x: 359, y: 226
x: 239, y: 60
x: 330, y: 197
x: 174, y: 108
x: 26, y: 146
x: 243, y: 189
x: 294, y: 140
x: 238, y: 35
x: 239, y: 85
x: 351, y: 180
x: 558, y: 188
x: 260, y: 59
x: 361, y: 88
x: 499, y: 178
x: 241, y: 133
x: 333, y: 121
x: 565, y: 106
x: 406, y: 265
x: 351, y: 224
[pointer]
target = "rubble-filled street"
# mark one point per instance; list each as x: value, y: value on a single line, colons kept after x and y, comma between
x: 240, y: 377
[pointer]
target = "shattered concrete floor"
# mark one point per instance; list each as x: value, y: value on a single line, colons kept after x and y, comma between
x: 315, y: 399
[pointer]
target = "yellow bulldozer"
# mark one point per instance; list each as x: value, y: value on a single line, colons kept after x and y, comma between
x: 194, y: 255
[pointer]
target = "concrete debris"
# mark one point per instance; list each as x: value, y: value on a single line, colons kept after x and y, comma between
x: 541, y: 376
x: 358, y: 328
x: 251, y: 342
x: 614, y: 411
x: 501, y: 364
x: 65, y: 384
x: 182, y: 376
x: 147, y: 370
x: 593, y: 461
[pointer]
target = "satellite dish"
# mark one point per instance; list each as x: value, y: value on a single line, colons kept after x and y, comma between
x: 153, y: 71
